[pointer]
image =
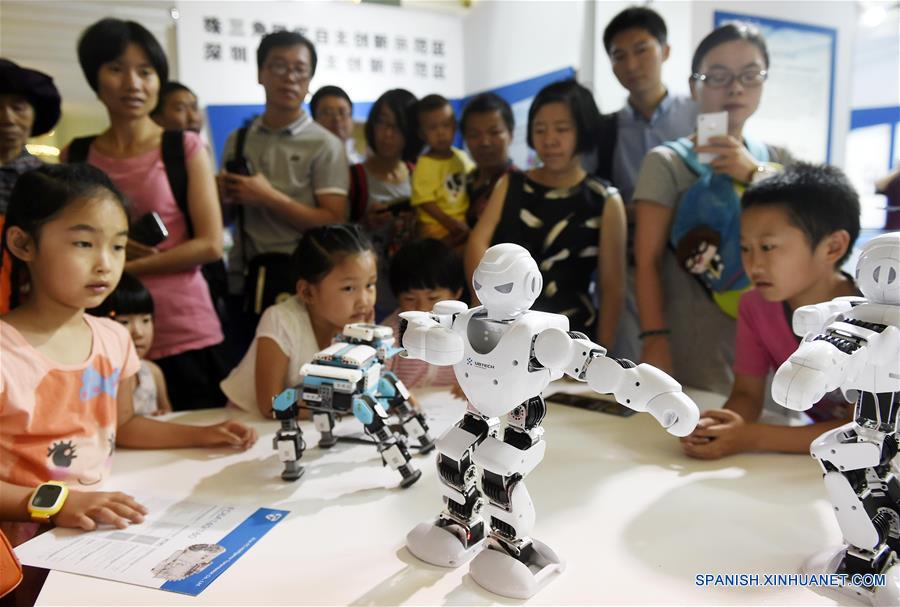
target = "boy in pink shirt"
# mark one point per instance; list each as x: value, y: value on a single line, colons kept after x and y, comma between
x: 797, y: 228
x: 424, y: 272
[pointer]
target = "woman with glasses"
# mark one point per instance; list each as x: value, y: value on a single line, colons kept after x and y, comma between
x: 125, y: 66
x: 380, y: 186
x: 686, y: 294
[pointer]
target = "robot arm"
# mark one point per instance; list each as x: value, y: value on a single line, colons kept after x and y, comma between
x: 639, y: 387
x: 429, y: 336
x: 814, y: 318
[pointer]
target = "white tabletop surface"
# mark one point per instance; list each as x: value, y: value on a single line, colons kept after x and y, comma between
x: 634, y: 519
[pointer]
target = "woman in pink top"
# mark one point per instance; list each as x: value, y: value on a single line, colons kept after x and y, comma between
x: 125, y: 65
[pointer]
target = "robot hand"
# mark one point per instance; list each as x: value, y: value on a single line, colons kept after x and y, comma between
x: 425, y: 339
x: 797, y: 387
x: 675, y: 412
x: 816, y: 368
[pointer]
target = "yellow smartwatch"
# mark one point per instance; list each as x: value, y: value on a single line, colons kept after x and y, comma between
x: 47, y: 500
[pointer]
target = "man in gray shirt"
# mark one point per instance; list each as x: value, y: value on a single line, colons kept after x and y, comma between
x: 299, y: 174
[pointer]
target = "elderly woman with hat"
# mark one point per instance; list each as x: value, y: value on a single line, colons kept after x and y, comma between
x: 29, y: 106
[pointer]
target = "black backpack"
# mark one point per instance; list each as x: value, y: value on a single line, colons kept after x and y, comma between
x: 606, y: 136
x: 176, y: 171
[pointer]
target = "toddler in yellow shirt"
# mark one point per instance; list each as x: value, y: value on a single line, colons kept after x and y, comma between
x: 438, y: 182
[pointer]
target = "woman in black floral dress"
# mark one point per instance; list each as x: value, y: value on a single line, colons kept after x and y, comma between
x: 571, y: 223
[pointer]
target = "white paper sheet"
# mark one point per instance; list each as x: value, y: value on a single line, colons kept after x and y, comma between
x: 180, y: 547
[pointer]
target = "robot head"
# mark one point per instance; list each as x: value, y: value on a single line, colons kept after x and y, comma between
x: 878, y: 269
x: 507, y: 281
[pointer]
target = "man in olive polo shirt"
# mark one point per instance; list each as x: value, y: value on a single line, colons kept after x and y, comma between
x: 300, y: 174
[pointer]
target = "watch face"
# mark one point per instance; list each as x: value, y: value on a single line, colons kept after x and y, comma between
x: 46, y: 496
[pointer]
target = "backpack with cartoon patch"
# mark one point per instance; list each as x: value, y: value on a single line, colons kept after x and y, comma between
x: 706, y: 230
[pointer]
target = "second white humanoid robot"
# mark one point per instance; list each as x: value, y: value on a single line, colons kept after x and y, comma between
x: 853, y: 343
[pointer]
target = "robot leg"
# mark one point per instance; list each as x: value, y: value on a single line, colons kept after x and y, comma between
x: 864, y: 491
x: 513, y: 563
x: 323, y: 420
x: 413, y: 423
x: 391, y: 447
x: 457, y: 534
x: 288, y: 440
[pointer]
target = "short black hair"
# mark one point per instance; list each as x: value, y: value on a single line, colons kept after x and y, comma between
x: 426, y: 264
x: 167, y: 89
x: 735, y: 30
x: 429, y: 103
x: 818, y: 199
x: 283, y: 39
x: 323, y: 248
x: 129, y: 297
x: 635, y: 17
x: 328, y: 91
x: 400, y: 102
x: 580, y: 102
x: 488, y: 102
x: 107, y: 39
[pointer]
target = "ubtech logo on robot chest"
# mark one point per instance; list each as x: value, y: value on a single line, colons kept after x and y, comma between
x: 480, y: 365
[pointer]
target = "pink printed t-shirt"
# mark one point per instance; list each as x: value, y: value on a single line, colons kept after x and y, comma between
x: 764, y: 340
x: 417, y: 373
x: 184, y: 316
x: 58, y: 422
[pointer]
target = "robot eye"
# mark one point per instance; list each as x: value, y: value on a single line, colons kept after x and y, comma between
x: 892, y: 275
x: 476, y: 284
x: 876, y: 273
x: 506, y: 288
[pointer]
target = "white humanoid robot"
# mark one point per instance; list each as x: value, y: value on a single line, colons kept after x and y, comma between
x: 504, y: 355
x: 853, y: 343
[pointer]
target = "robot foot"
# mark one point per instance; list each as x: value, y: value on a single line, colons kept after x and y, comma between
x: 831, y: 561
x: 440, y: 546
x: 426, y: 445
x: 410, y: 476
x: 496, y: 570
x: 327, y: 441
x: 292, y: 473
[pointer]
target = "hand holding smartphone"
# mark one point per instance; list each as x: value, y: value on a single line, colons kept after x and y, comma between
x: 713, y: 124
x: 239, y: 166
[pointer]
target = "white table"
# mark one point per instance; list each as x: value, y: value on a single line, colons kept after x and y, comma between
x: 634, y: 519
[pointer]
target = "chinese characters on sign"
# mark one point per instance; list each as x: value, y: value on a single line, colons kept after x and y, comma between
x: 376, y: 53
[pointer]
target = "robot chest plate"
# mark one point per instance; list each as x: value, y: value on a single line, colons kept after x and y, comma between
x: 497, y: 380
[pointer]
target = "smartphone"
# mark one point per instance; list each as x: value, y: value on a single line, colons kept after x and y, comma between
x: 400, y: 206
x: 149, y: 230
x: 709, y: 125
x: 602, y: 403
x: 239, y: 166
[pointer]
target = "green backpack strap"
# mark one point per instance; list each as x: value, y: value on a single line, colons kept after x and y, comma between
x: 685, y: 150
x: 757, y: 149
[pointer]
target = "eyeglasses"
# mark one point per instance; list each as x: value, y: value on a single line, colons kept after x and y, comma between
x: 281, y: 69
x: 718, y: 78
x: 329, y: 112
x: 384, y: 125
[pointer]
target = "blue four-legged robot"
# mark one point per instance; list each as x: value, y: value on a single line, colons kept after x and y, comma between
x: 349, y: 376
